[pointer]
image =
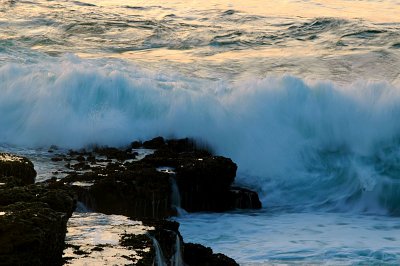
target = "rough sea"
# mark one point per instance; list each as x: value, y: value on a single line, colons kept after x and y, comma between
x: 304, y: 95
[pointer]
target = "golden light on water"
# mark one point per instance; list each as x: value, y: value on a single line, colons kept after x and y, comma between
x: 376, y: 11
x: 201, y: 34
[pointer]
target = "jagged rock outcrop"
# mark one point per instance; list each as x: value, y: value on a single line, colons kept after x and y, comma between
x: 33, y: 217
x: 138, y: 188
x: 204, y: 181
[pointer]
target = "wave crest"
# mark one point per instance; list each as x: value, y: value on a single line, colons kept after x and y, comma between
x: 301, y: 143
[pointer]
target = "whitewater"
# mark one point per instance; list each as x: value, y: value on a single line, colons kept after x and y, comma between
x: 303, y: 95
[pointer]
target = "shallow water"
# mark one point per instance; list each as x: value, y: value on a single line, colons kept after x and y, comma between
x: 303, y: 95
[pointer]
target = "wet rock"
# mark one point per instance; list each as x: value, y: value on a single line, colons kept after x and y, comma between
x: 176, y: 252
x: 167, y: 234
x: 114, y: 153
x: 136, y: 144
x: 56, y: 159
x: 18, y: 167
x: 80, y: 158
x: 198, y: 255
x: 144, y: 193
x: 156, y: 143
x: 172, y: 145
x: 58, y: 199
x: 138, y: 189
x: 31, y: 234
x: 243, y: 198
x: 204, y: 181
x: 33, y: 224
x: 119, y: 185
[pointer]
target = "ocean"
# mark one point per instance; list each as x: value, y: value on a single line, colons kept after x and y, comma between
x: 304, y: 95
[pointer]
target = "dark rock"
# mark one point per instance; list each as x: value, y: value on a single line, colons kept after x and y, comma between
x: 204, y: 183
x: 80, y: 158
x: 156, y: 143
x: 56, y: 159
x: 244, y: 198
x: 80, y: 166
x: 18, y: 167
x: 137, y: 189
x: 140, y: 243
x: 31, y: 234
x: 167, y: 234
x: 187, y: 145
x: 98, y: 248
x: 144, y: 193
x: 57, y: 196
x: 198, y: 255
x: 32, y: 231
x: 114, y: 153
x: 136, y: 144
x: 123, y: 186
x: 91, y: 159
x: 173, y: 145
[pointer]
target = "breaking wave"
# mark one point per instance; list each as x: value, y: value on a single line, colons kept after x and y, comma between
x: 301, y: 143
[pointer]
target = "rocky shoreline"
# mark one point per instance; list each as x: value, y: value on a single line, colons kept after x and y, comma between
x: 148, y: 182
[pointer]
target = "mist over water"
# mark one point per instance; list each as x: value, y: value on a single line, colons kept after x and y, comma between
x: 306, y: 104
